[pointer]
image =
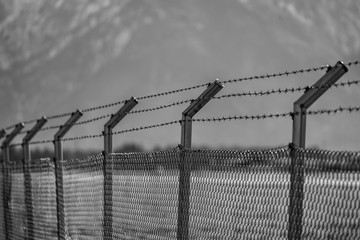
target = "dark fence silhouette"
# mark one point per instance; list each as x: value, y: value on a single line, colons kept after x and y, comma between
x: 184, y: 193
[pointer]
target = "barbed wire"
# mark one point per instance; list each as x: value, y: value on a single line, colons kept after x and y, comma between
x: 172, y: 91
x: 350, y: 109
x: 351, y: 63
x: 161, y: 106
x: 288, y: 90
x: 263, y: 76
x: 287, y: 73
x: 278, y: 115
x: 243, y: 94
x: 254, y: 93
x: 103, y: 106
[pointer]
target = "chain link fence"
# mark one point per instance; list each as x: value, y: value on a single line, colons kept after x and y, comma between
x: 2, y: 198
x: 43, y: 199
x: 234, y: 194
x: 331, y: 194
x: 83, y: 197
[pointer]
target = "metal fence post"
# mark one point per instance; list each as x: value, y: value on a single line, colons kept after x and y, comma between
x: 2, y: 135
x: 58, y: 162
x: 107, y: 167
x: 298, y: 141
x: 185, y: 167
x: 27, y: 176
x: 7, y: 178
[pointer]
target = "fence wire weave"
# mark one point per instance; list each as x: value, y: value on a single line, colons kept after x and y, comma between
x: 238, y: 194
x: 83, y: 197
x: 2, y: 215
x: 331, y: 194
x: 145, y: 194
x: 234, y: 194
x: 43, y: 199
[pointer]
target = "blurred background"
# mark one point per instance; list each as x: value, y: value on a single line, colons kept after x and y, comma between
x: 57, y: 56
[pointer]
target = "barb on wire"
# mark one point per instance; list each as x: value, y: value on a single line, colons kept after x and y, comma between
x: 264, y: 76
x: 274, y: 75
x: 287, y: 73
x: 287, y: 90
x: 172, y: 92
x: 349, y: 64
x: 243, y: 94
x: 242, y: 117
x: 254, y: 93
x: 147, y: 127
x: 123, y: 131
x: 161, y: 107
x: 334, y: 111
x: 278, y: 115
x: 83, y: 137
x: 218, y: 119
x: 103, y: 106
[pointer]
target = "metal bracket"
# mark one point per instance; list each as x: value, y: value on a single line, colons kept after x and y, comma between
x: 114, y: 120
x: 107, y: 167
x: 195, y: 106
x: 12, y: 135
x: 298, y: 141
x: 62, y: 131
x: 69, y: 123
x: 30, y: 134
x: 185, y: 164
x: 309, y: 97
x: 59, y: 172
x: 27, y: 176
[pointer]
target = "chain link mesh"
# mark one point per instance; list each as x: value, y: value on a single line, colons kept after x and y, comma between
x: 145, y: 195
x: 83, y: 197
x: 17, y: 202
x: 44, y: 199
x: 234, y: 194
x: 2, y: 214
x: 238, y: 194
x: 331, y: 194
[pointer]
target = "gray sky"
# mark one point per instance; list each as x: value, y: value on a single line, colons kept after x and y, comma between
x: 58, y: 56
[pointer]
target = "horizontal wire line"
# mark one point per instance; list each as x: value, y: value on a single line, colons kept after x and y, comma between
x: 278, y: 115
x: 287, y: 73
x: 263, y: 76
x: 255, y: 93
x: 243, y: 94
x: 288, y: 90
x: 217, y: 119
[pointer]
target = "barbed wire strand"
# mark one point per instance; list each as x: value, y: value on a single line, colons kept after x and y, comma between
x: 279, y: 115
x: 264, y: 76
x: 288, y: 90
x: 254, y: 93
x: 243, y: 94
x: 351, y: 63
x: 287, y: 73
x: 214, y: 119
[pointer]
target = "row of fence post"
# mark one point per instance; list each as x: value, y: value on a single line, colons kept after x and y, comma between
x: 297, y: 165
